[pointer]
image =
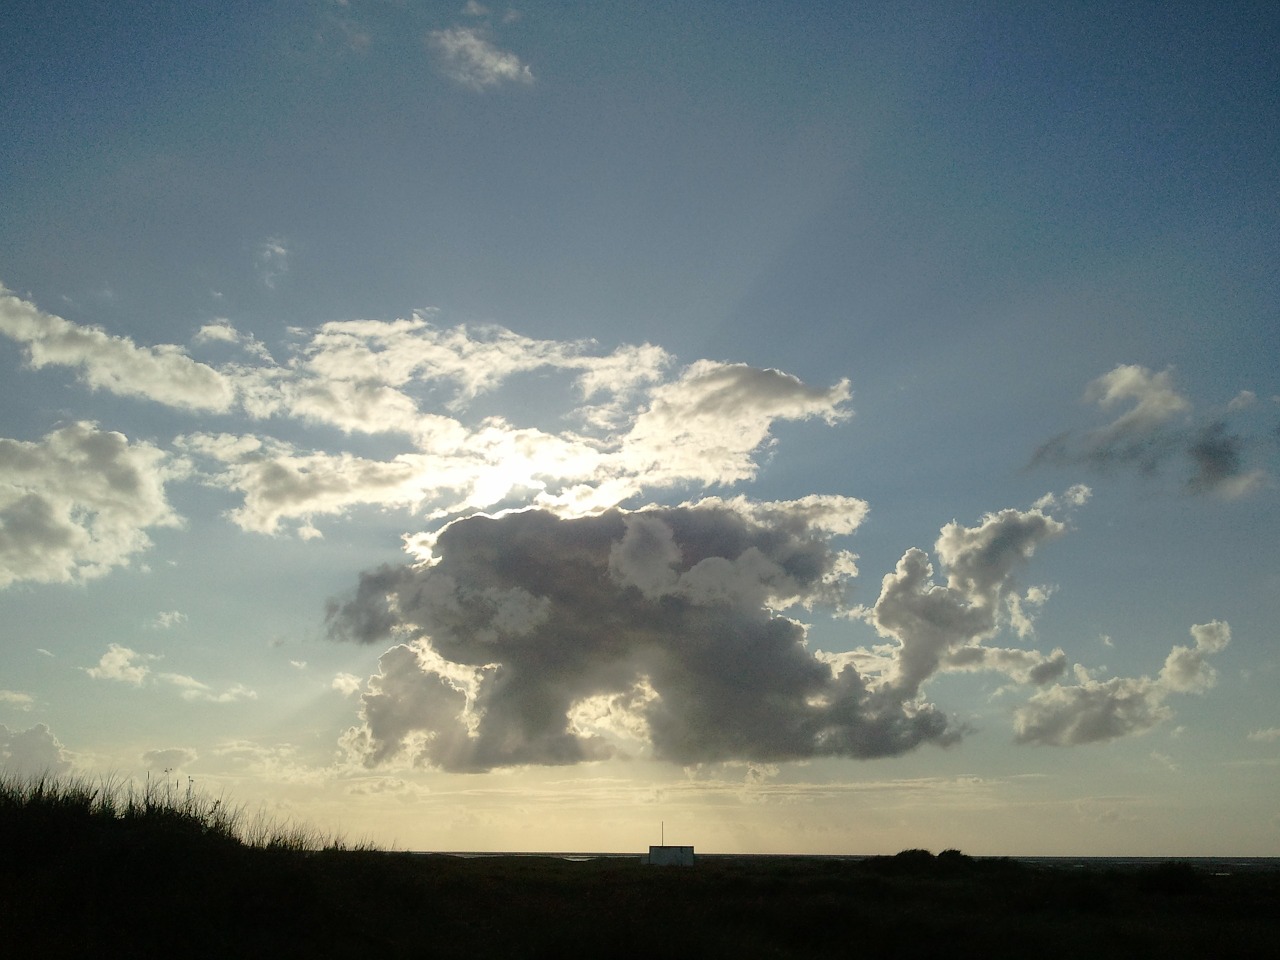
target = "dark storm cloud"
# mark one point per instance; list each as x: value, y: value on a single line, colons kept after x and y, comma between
x: 534, y: 639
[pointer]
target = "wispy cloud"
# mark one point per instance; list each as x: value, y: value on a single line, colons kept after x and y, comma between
x: 169, y: 759
x: 1157, y: 429
x: 469, y: 57
x: 124, y: 665
x: 272, y: 261
x: 167, y: 619
x: 17, y: 700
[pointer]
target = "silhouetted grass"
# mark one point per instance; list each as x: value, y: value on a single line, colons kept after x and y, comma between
x: 55, y: 806
x: 115, y: 870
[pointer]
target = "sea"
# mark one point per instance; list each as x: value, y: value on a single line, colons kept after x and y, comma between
x: 1221, y: 866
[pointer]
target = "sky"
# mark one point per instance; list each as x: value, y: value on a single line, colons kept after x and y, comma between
x: 798, y: 428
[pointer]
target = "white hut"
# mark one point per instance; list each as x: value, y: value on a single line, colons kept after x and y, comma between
x: 664, y: 856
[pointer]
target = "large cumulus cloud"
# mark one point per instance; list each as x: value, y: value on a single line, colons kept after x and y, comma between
x: 532, y: 638
x: 535, y: 639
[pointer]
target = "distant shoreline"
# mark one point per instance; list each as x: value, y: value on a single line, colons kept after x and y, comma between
x: 1211, y: 864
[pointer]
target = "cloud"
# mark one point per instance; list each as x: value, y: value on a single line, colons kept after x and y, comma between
x: 162, y: 373
x: 470, y: 58
x: 272, y: 261
x: 122, y: 664
x: 935, y: 625
x: 79, y: 503
x: 532, y: 638
x: 1243, y: 400
x: 707, y: 426
x: 167, y: 619
x: 275, y: 762
x: 195, y: 690
x: 32, y: 752
x: 1095, y: 711
x: 17, y: 700
x: 129, y: 666
x: 346, y: 683
x: 536, y: 639
x: 1270, y: 735
x: 279, y: 483
x: 221, y: 331
x: 1156, y: 429
x: 1217, y: 457
x: 173, y: 758
x: 633, y: 422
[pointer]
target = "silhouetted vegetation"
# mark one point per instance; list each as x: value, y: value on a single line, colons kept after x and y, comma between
x: 110, y: 870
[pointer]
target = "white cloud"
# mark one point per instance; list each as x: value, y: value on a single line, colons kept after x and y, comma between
x: 169, y: 759
x: 275, y: 762
x: 163, y: 373
x: 346, y: 684
x: 641, y: 428
x: 16, y: 699
x: 272, y: 261
x: 197, y: 691
x: 280, y: 484
x: 1243, y: 400
x: 32, y: 752
x: 707, y: 425
x: 129, y: 666
x: 1095, y: 711
x: 1185, y: 669
x: 470, y: 58
x: 122, y: 664
x: 79, y: 503
x: 167, y: 619
x: 1155, y: 399
x: 1269, y: 735
x: 220, y: 331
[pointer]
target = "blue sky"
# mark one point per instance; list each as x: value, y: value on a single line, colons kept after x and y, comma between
x: 821, y: 428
